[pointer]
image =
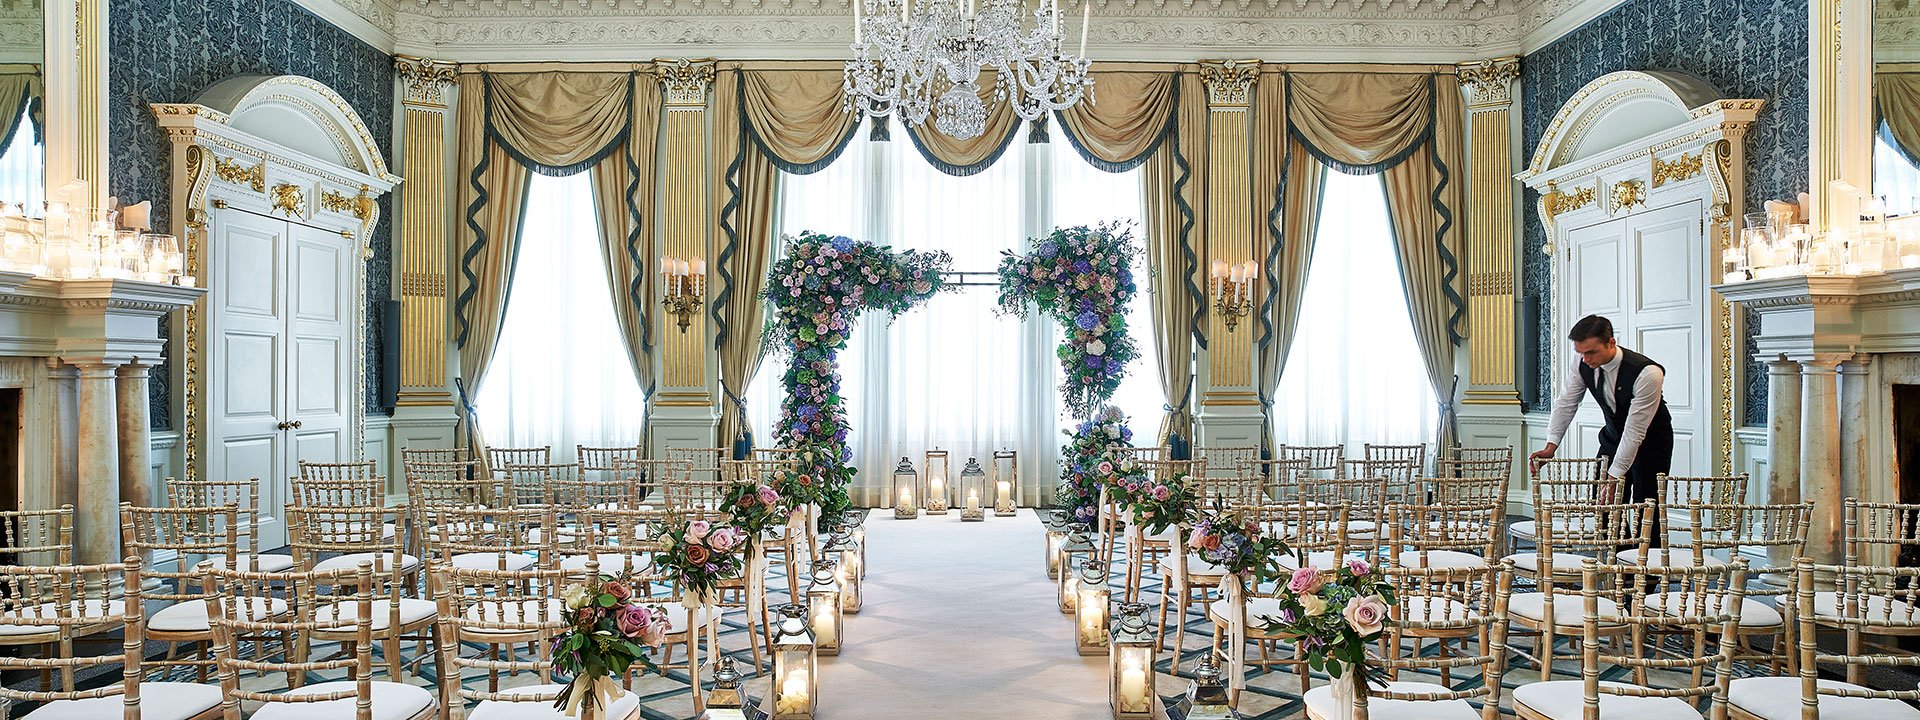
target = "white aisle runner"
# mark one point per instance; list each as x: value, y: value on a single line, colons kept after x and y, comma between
x: 959, y: 622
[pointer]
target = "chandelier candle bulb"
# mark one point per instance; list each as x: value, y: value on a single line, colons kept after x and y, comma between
x: 1086, y: 16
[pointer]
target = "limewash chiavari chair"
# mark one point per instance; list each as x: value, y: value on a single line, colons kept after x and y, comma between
x: 1393, y: 458
x: 37, y: 537
x: 1466, y: 488
x: 1316, y: 536
x: 486, y: 538
x: 646, y: 476
x: 347, y: 531
x: 1402, y: 476
x: 193, y: 535
x: 244, y: 495
x: 497, y: 610
x: 1473, y: 468
x: 533, y: 485
x: 442, y: 455
x: 1323, y: 461
x: 68, y: 587
x: 1567, y: 480
x: 695, y: 491
x: 1488, y: 457
x: 498, y: 458
x: 318, y: 616
x: 1144, y: 548
x: 1226, y: 461
x: 1612, y: 610
x: 1720, y: 533
x: 1811, y: 697
x: 357, y: 470
x: 1592, y: 532
x: 1366, y: 499
x: 1452, y: 534
x: 701, y: 463
x: 1672, y: 494
x: 603, y: 463
x: 1467, y: 605
x: 575, y: 491
x: 1279, y: 478
x: 1874, y: 535
x: 780, y: 540
x: 619, y: 539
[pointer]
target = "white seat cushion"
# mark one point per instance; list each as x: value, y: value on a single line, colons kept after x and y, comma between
x: 341, y: 616
x: 1196, y: 567
x: 91, y: 608
x: 625, y: 705
x: 1657, y: 557
x: 610, y: 563
x: 1877, y: 607
x: 1323, y: 559
x: 562, y: 534
x: 1321, y: 704
x: 1564, y: 564
x: 521, y: 611
x: 493, y: 561
x: 1754, y: 615
x: 1778, y: 698
x: 1256, y: 609
x: 192, y: 615
x: 1566, y: 700
x: 1440, y: 559
x: 257, y: 563
x: 1569, y: 609
x: 1164, y: 536
x: 382, y: 562
x: 679, y: 618
x: 158, y: 701
x: 391, y: 701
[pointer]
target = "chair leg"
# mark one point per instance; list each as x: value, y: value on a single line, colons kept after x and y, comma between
x: 1180, y: 628
x: 392, y: 649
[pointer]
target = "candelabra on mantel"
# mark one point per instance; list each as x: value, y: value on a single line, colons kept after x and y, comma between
x: 685, y: 284
x: 66, y: 242
x: 1233, y: 291
x: 1780, y: 243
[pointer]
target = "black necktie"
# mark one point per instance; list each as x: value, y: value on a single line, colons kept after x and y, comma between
x: 1600, y: 387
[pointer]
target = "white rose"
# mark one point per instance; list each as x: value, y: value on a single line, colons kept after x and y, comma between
x: 1096, y: 348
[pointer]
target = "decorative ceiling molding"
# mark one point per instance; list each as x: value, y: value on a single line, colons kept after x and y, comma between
x: 1417, y: 31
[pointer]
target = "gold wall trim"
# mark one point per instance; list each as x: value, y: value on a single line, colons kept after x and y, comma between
x: 425, y: 230
x: 682, y: 229
x: 1229, y: 232
x: 1491, y: 250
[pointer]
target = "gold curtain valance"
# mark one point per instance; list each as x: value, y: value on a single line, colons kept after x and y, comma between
x: 19, y: 85
x: 557, y: 123
x: 1133, y: 111
x: 1360, y: 122
x: 794, y: 116
x: 972, y: 155
x: 1896, y: 97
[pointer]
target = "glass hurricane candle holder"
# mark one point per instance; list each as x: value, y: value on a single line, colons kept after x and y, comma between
x: 906, y: 491
x: 856, y: 522
x: 939, y: 481
x: 1056, y: 525
x: 823, y: 608
x: 973, y: 486
x: 1006, y: 483
x: 1077, y: 549
x: 1090, y: 608
x: 1130, y: 665
x: 795, y: 660
x: 845, y: 554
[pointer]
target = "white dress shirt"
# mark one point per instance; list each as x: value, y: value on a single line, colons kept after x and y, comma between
x: 1640, y: 412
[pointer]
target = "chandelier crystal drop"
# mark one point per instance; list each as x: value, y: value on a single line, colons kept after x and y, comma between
x: 925, y: 59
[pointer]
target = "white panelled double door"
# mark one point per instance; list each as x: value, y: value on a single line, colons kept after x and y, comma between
x: 1646, y: 273
x: 281, y: 361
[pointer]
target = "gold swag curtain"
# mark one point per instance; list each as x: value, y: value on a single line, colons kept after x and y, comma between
x: 1896, y: 98
x: 1408, y: 128
x: 553, y: 123
x: 1288, y: 215
x: 1155, y: 117
x: 765, y: 121
x: 20, y: 87
x: 976, y: 154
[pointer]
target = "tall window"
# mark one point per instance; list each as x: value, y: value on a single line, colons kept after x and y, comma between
x: 560, y: 373
x: 954, y: 374
x: 1354, y: 375
x: 22, y: 166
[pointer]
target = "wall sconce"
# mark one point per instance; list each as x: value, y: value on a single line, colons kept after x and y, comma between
x: 1233, y: 291
x: 685, y: 283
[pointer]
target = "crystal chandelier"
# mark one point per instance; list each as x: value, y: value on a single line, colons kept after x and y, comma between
x: 926, y: 60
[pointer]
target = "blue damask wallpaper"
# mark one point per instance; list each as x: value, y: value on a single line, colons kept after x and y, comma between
x: 1747, y: 48
x: 169, y: 50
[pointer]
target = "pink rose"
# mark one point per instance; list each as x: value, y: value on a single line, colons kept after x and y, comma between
x: 1161, y: 493
x: 769, y: 495
x: 1305, y: 580
x: 748, y: 499
x: 632, y: 620
x: 698, y: 529
x: 1198, y: 541
x: 1358, y: 566
x: 724, y: 539
x: 618, y: 590
x: 1365, y: 614
x: 1106, y: 468
x: 656, y: 632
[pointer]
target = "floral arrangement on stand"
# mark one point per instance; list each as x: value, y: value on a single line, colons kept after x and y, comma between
x: 1083, y: 277
x: 755, y: 508
x: 1087, y: 462
x: 612, y: 629
x: 1156, y: 506
x: 699, y: 555
x: 1336, y: 614
x: 818, y: 288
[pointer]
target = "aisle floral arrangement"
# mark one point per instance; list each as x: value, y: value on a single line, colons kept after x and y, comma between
x: 818, y: 289
x: 612, y: 629
x: 1236, y: 543
x: 1087, y: 462
x: 699, y: 555
x: 755, y: 508
x: 1082, y: 276
x: 1157, y: 506
x: 1336, y: 615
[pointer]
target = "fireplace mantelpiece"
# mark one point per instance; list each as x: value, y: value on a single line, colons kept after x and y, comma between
x: 1834, y: 347
x: 79, y: 351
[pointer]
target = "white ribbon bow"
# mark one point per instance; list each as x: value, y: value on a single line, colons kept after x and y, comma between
x: 1232, y: 589
x: 591, y: 692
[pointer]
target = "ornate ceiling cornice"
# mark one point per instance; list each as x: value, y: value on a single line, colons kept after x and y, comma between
x: 1424, y: 31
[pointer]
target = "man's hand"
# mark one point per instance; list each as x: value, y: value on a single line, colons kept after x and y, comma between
x: 1606, y: 491
x: 1545, y: 453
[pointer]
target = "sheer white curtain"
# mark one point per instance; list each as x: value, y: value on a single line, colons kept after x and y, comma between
x: 1354, y: 375
x: 22, y: 169
x: 953, y: 374
x: 1895, y: 181
x: 560, y: 376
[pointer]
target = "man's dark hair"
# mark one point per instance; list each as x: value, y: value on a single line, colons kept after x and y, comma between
x: 1592, y: 327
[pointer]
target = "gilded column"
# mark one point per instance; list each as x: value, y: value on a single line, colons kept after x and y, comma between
x: 1491, y: 253
x: 686, y: 411
x: 426, y: 230
x: 1230, y: 411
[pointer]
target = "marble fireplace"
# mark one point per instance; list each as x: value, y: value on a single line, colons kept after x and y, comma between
x: 1843, y: 393
x: 74, y: 362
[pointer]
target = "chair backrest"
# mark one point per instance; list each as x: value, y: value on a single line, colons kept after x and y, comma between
x: 604, y: 463
x: 499, y: 458
x: 194, y: 534
x: 1466, y: 488
x: 1676, y: 491
x: 1402, y: 476
x: 1881, y: 533
x: 491, y: 606
x: 244, y: 495
x: 1473, y: 468
x: 619, y: 531
x: 1416, y: 454
x: 1307, y: 527
x: 535, y: 484
x: 1575, y: 480
x: 1226, y: 461
x: 448, y: 532
x: 349, y: 492
x: 37, y: 537
x: 437, y: 455
x: 314, y: 531
x: 694, y: 491
x: 1696, y: 603
x: 1591, y: 529
x: 701, y: 463
x: 357, y: 470
x: 1480, y: 454
x: 1366, y: 497
x: 1458, y: 526
x: 1322, y: 460
x: 755, y: 471
x: 1243, y: 486
x: 232, y: 618
x: 1138, y: 454
x: 1165, y: 470
x: 1870, y: 600
x: 574, y: 490
x: 646, y: 476
x: 1465, y: 602
x: 58, y: 603
x: 1279, y: 477
x: 465, y: 470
